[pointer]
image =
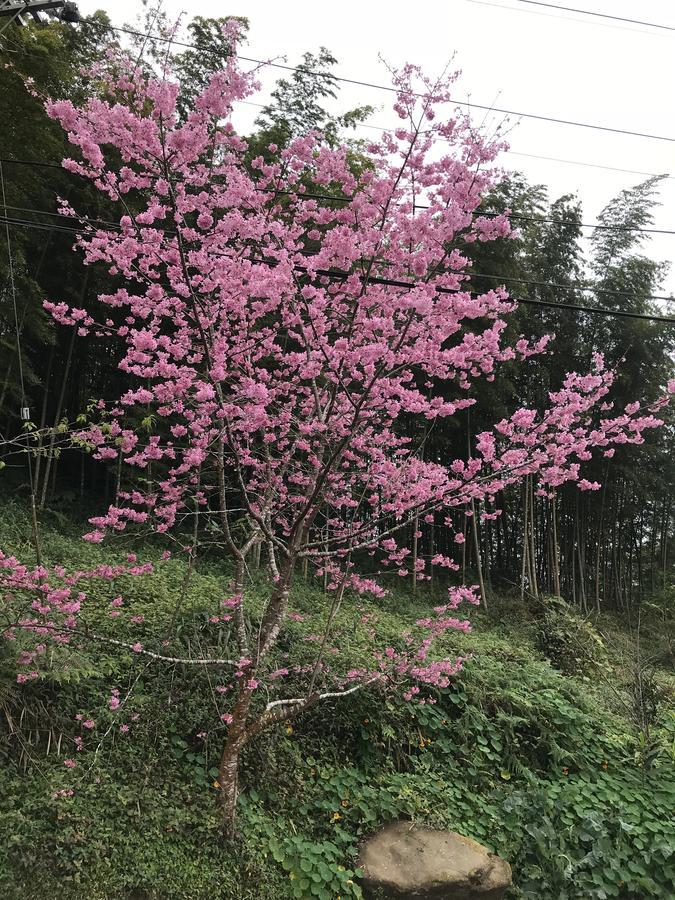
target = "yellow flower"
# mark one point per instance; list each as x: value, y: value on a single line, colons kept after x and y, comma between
x: 216, y: 784
x: 289, y: 729
x: 345, y: 803
x: 336, y: 816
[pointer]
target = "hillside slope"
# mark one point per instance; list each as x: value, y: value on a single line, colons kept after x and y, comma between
x: 539, y: 749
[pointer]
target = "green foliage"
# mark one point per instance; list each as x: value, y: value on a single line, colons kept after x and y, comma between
x: 593, y: 836
x: 569, y: 640
x: 315, y: 869
x: 529, y: 761
x: 297, y: 105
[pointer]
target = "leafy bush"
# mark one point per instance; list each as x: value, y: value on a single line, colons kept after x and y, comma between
x: 593, y: 836
x: 568, y: 640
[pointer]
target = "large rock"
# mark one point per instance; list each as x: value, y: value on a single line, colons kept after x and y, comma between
x: 408, y: 861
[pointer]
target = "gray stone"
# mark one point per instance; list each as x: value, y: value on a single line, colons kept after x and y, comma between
x: 409, y: 861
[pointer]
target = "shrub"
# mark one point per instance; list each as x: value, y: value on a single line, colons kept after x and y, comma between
x: 568, y: 640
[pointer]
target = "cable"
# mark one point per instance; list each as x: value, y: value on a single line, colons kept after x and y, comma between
x: 381, y: 128
x: 10, y: 265
x: 567, y: 287
x: 569, y: 162
x: 490, y: 215
x: 599, y: 15
x: 10, y: 262
x: 598, y: 310
x: 383, y: 87
x: 312, y: 196
x: 502, y: 278
x: 588, y: 165
x: 117, y: 227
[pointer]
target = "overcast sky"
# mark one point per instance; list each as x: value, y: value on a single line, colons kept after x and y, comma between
x: 512, y: 55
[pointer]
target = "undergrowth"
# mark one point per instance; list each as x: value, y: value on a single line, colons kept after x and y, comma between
x: 533, y: 754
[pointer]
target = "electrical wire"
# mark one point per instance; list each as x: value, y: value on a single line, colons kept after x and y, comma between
x: 569, y: 162
x: 509, y: 152
x: 504, y: 278
x: 328, y: 197
x: 389, y: 89
x: 598, y: 15
x: 574, y: 286
x: 587, y: 165
x: 340, y: 275
x: 501, y: 278
x: 10, y: 265
x: 22, y: 383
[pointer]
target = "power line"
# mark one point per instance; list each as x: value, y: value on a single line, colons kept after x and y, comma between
x: 22, y: 383
x: 597, y: 310
x: 509, y: 152
x: 381, y: 128
x: 502, y: 278
x: 389, y: 89
x: 328, y: 197
x: 571, y: 162
x: 107, y: 224
x: 598, y: 15
x: 573, y: 286
x: 10, y: 265
x: 588, y: 165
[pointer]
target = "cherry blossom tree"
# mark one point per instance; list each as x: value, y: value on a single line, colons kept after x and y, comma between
x: 279, y: 320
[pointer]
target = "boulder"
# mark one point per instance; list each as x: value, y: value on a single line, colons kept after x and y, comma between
x: 409, y: 861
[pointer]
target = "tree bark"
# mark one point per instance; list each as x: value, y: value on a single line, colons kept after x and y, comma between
x: 556, y: 549
x: 476, y: 545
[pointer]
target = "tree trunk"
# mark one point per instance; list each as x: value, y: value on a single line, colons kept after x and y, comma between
x: 523, y: 570
x: 415, y: 546
x: 228, y: 770
x: 534, y: 585
x: 228, y: 778
x: 476, y: 545
x: 556, y: 549
x: 57, y: 418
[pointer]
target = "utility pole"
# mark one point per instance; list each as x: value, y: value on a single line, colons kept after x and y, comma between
x: 17, y: 10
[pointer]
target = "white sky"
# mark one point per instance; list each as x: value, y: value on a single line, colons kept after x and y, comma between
x: 511, y: 55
